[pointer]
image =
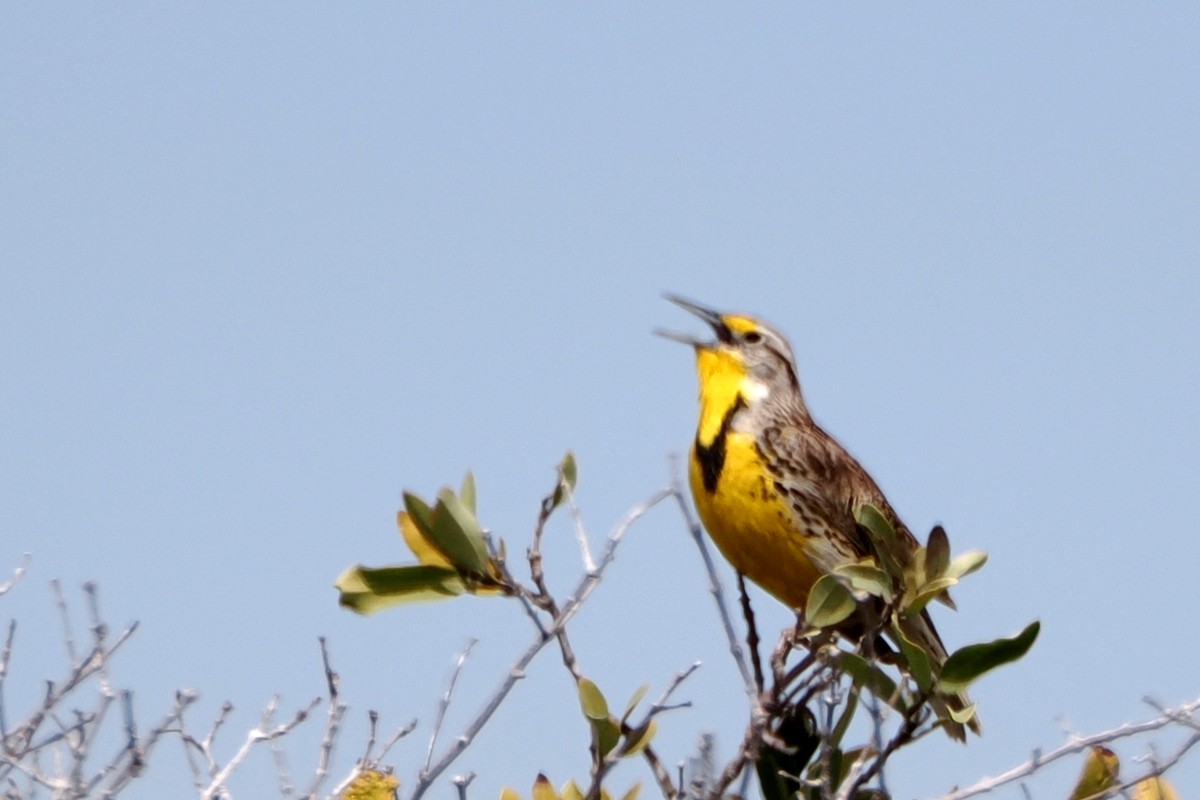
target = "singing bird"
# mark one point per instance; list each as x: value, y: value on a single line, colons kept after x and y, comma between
x: 777, y: 493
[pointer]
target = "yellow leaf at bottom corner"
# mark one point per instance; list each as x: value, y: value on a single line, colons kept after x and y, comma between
x: 1154, y: 789
x: 1101, y: 771
x: 543, y: 789
x: 372, y: 785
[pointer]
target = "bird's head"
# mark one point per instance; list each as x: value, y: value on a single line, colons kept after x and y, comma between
x: 748, y: 356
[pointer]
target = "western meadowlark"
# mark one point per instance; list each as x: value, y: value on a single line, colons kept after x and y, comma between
x: 777, y: 493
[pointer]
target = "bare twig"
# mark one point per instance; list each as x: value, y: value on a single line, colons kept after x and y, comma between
x: 583, y: 590
x: 752, y: 640
x: 585, y: 552
x: 333, y: 721
x: 747, y: 753
x: 715, y: 588
x: 444, y: 704
x: 264, y: 732
x: 461, y: 782
x: 5, y: 657
x: 60, y: 599
x: 17, y: 573
x: 1078, y: 745
x: 661, y: 776
x: 660, y: 705
x: 408, y: 728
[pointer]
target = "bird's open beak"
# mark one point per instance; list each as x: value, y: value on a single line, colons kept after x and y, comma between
x: 713, y: 318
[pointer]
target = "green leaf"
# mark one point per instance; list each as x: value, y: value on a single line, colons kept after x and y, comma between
x: 866, y: 576
x: 875, y: 522
x: 961, y: 715
x: 633, y: 701
x: 927, y: 594
x: 633, y: 793
x: 367, y: 590
x: 1101, y: 772
x: 937, y: 553
x: 571, y: 791
x: 839, y: 730
x: 866, y: 675
x: 420, y: 512
x: 883, y: 538
x: 458, y: 534
x: 569, y: 471
x: 967, y: 563
x: 919, y: 666
x: 829, y: 602
x: 467, y: 493
x: 965, y: 665
x: 605, y: 735
x: 568, y: 474
x: 591, y: 699
x: 637, y: 739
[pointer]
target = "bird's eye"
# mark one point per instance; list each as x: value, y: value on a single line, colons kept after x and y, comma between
x: 753, y: 337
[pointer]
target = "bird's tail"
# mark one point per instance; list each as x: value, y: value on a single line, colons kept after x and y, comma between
x: 920, y: 631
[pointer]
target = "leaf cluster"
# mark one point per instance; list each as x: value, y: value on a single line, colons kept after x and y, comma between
x: 452, y: 552
x: 905, y: 582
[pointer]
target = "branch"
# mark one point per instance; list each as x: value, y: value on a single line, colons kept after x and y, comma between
x: 1038, y: 760
x: 444, y: 704
x: 715, y: 588
x: 586, y: 585
x: 17, y: 573
x: 261, y: 733
x: 333, y: 721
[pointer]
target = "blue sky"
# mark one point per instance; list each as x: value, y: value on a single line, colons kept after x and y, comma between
x: 264, y: 267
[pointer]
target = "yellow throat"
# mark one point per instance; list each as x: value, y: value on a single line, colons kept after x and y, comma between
x: 734, y: 491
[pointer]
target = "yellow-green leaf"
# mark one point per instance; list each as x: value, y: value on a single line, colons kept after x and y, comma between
x: 967, y: 563
x: 919, y: 666
x: 467, y: 493
x: 843, y: 723
x: 927, y: 594
x: 829, y: 602
x: 420, y: 512
x: 633, y: 792
x: 892, y: 557
x: 592, y: 700
x: 371, y: 785
x: 965, y: 665
x: 961, y: 715
x: 419, y: 543
x: 571, y: 791
x: 568, y: 474
x: 543, y: 789
x: 866, y: 675
x: 367, y: 590
x: 633, y: 701
x: 458, y: 534
x: 866, y: 576
x: 1101, y: 772
x: 637, y: 739
x: 605, y: 735
x: 508, y: 793
x: 1154, y: 789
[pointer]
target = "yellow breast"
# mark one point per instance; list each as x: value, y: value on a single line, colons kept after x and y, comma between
x: 752, y: 525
